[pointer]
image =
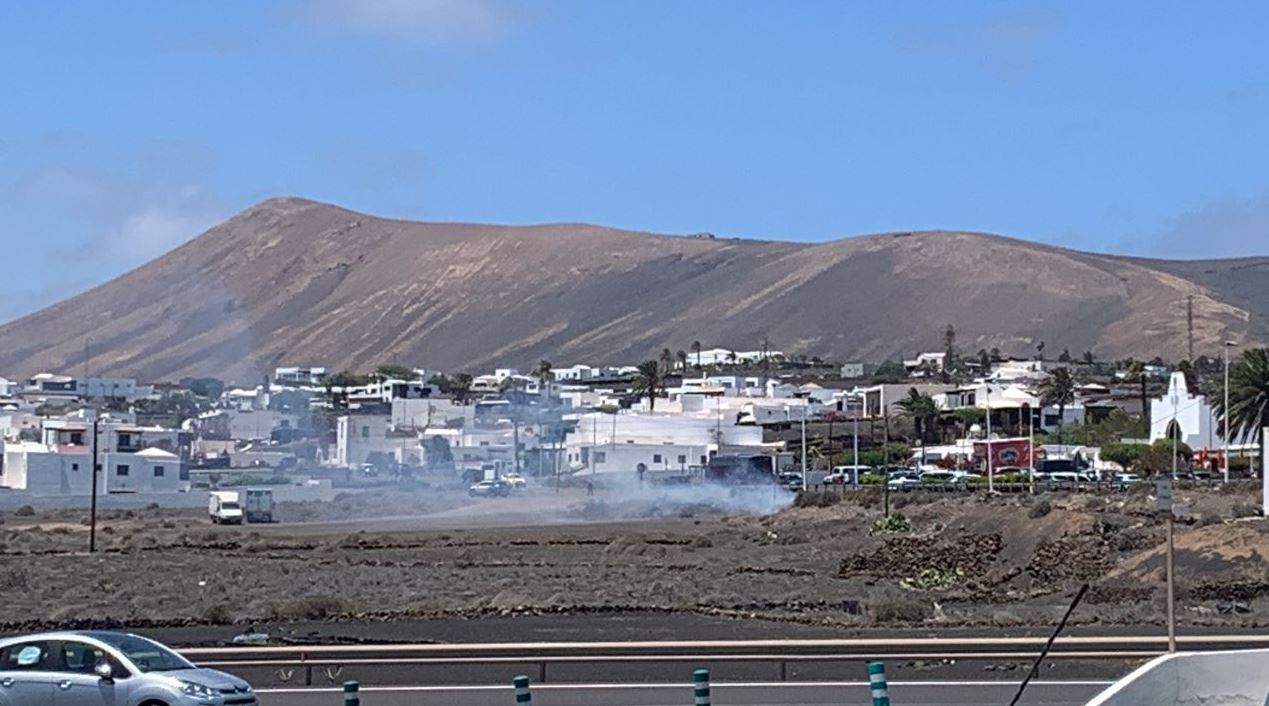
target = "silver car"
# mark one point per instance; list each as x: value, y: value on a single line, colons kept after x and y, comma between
x: 97, y: 668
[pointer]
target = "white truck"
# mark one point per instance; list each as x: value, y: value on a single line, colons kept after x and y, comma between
x: 259, y: 504
x: 225, y: 507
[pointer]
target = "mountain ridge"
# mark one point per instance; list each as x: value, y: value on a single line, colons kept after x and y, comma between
x: 296, y: 281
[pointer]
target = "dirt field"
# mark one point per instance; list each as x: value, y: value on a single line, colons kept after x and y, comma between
x: 413, y: 559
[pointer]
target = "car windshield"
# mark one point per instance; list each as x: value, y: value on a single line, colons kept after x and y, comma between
x: 147, y: 655
x: 230, y: 506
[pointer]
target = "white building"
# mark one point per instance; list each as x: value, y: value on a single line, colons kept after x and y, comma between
x: 299, y: 377
x: 620, y: 443
x: 1018, y: 370
x: 727, y: 356
x: 8, y: 388
x: 576, y: 373
x: 430, y: 413
x: 925, y: 361
x: 47, y: 386
x: 852, y: 370
x: 360, y: 437
x: 47, y: 470
x: 114, y: 389
x: 1185, y: 415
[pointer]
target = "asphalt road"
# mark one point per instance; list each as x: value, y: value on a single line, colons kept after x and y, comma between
x: 912, y: 693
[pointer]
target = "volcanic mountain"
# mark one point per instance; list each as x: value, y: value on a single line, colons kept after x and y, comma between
x: 295, y: 282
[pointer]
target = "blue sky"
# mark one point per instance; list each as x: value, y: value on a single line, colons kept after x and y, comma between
x: 1128, y: 127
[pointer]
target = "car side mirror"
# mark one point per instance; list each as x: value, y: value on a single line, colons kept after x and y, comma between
x: 104, y: 671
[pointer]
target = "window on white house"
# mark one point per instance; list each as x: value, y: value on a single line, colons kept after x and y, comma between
x: 601, y: 456
x: 365, y: 432
x: 682, y: 458
x: 74, y: 466
x: 159, y: 471
x: 656, y: 458
x: 122, y: 469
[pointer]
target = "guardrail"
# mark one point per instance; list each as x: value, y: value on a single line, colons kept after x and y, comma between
x: 779, y: 653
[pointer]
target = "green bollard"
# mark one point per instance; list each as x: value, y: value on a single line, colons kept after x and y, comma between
x: 877, y: 680
x: 700, y: 679
x: 523, y: 697
x: 351, y: 697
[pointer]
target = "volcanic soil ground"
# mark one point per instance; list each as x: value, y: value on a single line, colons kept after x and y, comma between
x: 422, y: 567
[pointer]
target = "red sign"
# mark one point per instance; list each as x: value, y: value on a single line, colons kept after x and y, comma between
x: 1005, y: 453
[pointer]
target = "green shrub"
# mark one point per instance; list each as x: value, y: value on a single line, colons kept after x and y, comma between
x: 933, y: 579
x: 894, y: 523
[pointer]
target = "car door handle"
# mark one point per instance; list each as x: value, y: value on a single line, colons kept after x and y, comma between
x: 64, y: 685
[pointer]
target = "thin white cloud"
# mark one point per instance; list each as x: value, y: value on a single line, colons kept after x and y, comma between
x: 1231, y: 227
x: 430, y: 22
x: 1007, y: 46
x: 105, y: 219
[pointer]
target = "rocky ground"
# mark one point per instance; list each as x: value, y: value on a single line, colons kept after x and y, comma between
x: 966, y: 561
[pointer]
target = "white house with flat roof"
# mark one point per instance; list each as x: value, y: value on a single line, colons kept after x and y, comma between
x: 611, y: 443
x: 42, y: 469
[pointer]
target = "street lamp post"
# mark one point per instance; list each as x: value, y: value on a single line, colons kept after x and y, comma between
x: 92, y: 512
x: 1225, y: 435
x: 804, y: 446
x: 991, y: 481
x: 1174, y: 431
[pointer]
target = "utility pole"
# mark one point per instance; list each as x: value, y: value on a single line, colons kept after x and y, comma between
x: 92, y: 512
x: 1163, y: 493
x: 856, y: 443
x: 1031, y: 447
x: 1189, y: 323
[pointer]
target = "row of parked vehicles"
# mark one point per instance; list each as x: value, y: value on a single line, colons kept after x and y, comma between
x: 907, y: 477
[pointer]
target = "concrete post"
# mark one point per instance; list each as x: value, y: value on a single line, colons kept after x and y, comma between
x: 877, y: 681
x: 700, y: 679
x: 351, y: 696
x: 523, y: 697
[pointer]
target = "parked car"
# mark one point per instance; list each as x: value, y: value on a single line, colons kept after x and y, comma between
x: 938, y: 477
x: 792, y: 481
x: 490, y: 489
x: 515, y: 480
x: 901, y: 481
x: 1127, y: 478
x: 848, y: 475
x: 109, y: 669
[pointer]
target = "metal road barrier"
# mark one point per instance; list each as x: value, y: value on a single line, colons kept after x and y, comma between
x: 303, y: 659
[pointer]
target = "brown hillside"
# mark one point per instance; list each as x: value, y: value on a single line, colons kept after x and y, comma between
x: 291, y: 281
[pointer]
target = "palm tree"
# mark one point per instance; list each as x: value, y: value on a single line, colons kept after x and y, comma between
x: 667, y: 359
x: 696, y: 348
x: 461, y: 387
x: 922, y: 409
x: 1248, y: 396
x: 1137, y: 371
x: 1058, y: 388
x: 649, y: 382
x: 682, y: 358
x: 542, y: 371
